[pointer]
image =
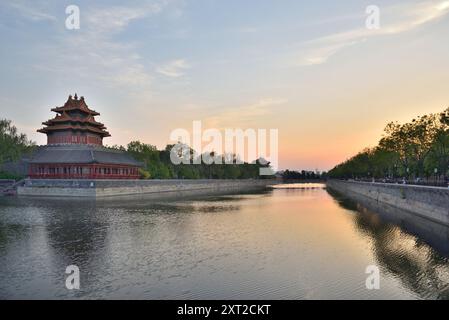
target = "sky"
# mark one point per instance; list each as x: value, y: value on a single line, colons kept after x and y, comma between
x: 311, y: 69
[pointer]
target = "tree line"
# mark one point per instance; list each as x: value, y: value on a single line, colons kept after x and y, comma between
x: 303, y: 175
x: 158, y: 165
x: 415, y: 150
x: 13, y: 145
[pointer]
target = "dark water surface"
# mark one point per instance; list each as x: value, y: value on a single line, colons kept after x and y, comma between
x: 296, y: 243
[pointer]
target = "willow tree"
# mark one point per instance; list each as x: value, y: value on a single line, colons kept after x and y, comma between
x: 12, y: 143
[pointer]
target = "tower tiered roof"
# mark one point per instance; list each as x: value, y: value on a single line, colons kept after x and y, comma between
x: 73, y: 103
x: 75, y: 149
x: 75, y: 115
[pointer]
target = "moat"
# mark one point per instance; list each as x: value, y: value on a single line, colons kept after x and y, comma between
x: 300, y: 242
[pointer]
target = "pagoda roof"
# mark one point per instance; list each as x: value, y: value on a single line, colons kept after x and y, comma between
x: 75, y: 104
x: 83, y: 154
x: 65, y: 117
x: 75, y: 127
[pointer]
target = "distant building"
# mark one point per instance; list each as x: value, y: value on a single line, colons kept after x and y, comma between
x: 279, y: 175
x: 75, y: 149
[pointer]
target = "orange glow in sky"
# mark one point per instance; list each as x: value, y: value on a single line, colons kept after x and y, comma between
x: 314, y: 71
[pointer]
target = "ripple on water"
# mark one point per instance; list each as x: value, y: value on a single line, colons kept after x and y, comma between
x: 294, y: 242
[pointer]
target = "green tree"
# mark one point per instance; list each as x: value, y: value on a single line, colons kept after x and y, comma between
x: 12, y: 143
x: 415, y: 148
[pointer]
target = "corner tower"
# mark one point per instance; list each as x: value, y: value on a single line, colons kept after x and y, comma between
x: 75, y: 149
x: 74, y: 124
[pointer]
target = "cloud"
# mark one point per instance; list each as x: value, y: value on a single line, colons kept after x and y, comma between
x: 174, y: 69
x: 114, y: 19
x: 94, y: 53
x: 245, y: 114
x: 28, y: 12
x: 404, y: 18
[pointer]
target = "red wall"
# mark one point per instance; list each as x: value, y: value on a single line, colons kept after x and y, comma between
x: 73, y: 138
x: 80, y: 171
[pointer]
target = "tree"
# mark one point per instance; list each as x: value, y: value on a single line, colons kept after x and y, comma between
x: 439, y: 154
x: 12, y: 144
x: 411, y: 141
x: 415, y: 148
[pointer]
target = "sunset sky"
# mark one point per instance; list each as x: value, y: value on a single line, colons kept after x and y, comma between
x: 308, y: 68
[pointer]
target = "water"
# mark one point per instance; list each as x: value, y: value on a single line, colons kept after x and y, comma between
x: 296, y: 243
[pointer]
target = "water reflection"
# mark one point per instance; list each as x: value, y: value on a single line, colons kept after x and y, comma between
x: 412, y: 248
x: 104, y: 238
x: 294, y: 243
